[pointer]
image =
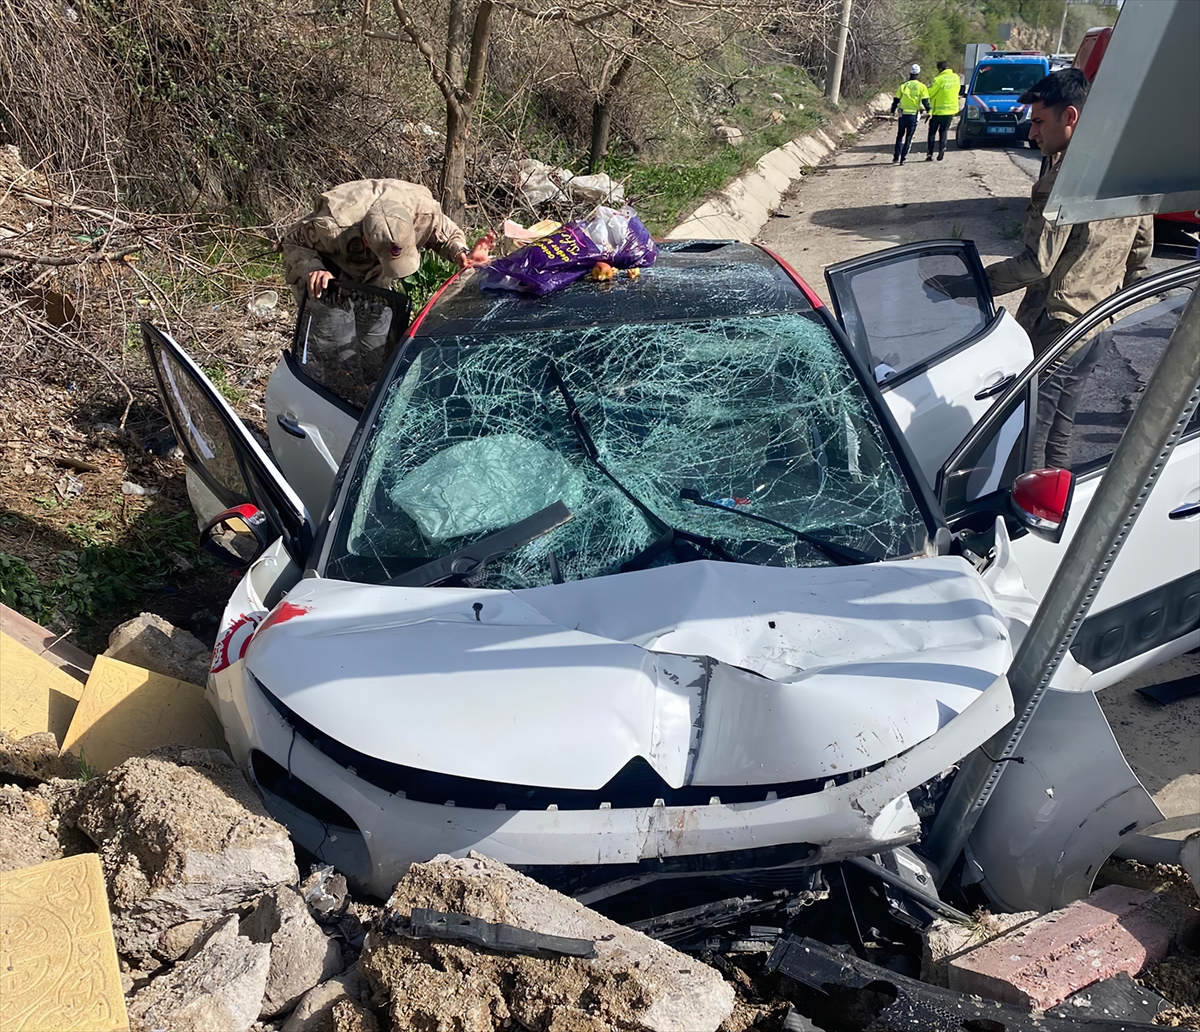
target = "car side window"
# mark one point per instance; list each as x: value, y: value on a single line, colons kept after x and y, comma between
x: 990, y: 463
x: 1107, y: 376
x: 203, y: 432
x: 903, y: 313
x: 343, y: 338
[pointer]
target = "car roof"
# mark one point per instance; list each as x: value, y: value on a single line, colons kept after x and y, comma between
x: 690, y: 280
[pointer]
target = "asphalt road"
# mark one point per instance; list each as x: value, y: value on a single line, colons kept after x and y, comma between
x: 860, y: 202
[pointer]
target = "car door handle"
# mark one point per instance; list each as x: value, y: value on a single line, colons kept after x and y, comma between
x: 290, y: 426
x: 1184, y: 511
x: 998, y: 387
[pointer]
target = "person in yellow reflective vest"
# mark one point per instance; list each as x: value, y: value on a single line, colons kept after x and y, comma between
x: 911, y: 96
x: 943, y: 99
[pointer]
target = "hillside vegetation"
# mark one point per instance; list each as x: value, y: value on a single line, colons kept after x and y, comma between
x: 153, y: 148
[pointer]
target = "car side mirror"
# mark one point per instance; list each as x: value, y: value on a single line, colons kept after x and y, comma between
x: 962, y: 90
x: 1041, y: 499
x: 236, y: 537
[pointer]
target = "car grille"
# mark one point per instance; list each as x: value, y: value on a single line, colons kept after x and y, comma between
x: 637, y: 784
x: 1000, y: 118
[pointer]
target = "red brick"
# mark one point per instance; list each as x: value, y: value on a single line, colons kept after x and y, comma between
x: 1041, y: 963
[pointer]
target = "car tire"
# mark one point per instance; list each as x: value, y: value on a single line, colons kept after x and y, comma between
x: 960, y: 140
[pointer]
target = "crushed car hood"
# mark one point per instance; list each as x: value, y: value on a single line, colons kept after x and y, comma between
x: 714, y: 673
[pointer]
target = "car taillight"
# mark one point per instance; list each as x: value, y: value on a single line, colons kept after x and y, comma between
x: 1041, y: 500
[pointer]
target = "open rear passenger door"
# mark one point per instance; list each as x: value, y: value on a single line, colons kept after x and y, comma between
x: 940, y: 361
x: 315, y: 399
x: 1148, y: 608
x: 225, y: 465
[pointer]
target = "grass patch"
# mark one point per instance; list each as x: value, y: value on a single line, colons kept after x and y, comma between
x: 102, y: 568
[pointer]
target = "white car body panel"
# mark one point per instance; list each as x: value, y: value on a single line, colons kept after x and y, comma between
x: 863, y: 663
x: 1155, y: 546
x: 1139, y: 565
x: 937, y: 408
x: 309, y: 464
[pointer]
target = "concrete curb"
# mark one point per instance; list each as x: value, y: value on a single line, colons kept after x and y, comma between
x: 739, y: 210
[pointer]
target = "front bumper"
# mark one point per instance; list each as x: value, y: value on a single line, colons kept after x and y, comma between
x: 996, y: 127
x: 316, y: 798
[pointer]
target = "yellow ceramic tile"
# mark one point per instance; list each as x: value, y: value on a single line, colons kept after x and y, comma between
x: 34, y: 694
x: 128, y: 711
x: 58, y: 962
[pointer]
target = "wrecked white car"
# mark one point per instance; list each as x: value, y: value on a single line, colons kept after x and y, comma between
x: 643, y: 580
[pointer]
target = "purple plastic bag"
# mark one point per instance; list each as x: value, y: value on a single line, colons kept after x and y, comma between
x: 546, y: 265
x: 569, y: 253
x: 622, y: 236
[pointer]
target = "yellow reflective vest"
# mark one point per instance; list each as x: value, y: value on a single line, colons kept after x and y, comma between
x: 943, y: 93
x: 910, y: 94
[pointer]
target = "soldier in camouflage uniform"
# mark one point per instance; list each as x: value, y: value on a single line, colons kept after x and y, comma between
x: 1065, y: 270
x: 368, y: 231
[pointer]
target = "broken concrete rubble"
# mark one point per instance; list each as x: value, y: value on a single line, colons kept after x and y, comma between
x: 943, y: 941
x: 180, y: 840
x: 218, y: 990
x: 36, y: 757
x: 1041, y: 963
x: 154, y: 643
x: 301, y: 954
x: 634, y: 982
x: 31, y: 831
x: 314, y: 1012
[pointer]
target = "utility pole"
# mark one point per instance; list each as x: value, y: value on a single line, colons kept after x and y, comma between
x: 1062, y: 26
x: 833, y: 84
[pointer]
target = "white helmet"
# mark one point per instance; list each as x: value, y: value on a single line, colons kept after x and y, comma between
x: 915, y: 70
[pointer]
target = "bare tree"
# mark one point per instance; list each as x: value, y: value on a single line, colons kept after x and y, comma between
x: 459, y: 77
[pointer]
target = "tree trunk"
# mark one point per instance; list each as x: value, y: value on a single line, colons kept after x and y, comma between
x: 452, y: 187
x: 601, y: 122
x: 602, y: 109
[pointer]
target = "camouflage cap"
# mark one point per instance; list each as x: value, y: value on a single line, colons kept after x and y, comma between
x: 388, y: 230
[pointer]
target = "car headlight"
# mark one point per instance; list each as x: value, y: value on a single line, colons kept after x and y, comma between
x: 1022, y: 113
x: 973, y: 112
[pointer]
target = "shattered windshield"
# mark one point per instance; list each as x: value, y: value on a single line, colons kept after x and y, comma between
x: 1007, y: 78
x: 759, y: 414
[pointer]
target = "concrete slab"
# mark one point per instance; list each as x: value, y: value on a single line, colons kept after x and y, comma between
x: 760, y: 190
x: 1043, y: 962
x: 35, y: 695
x: 58, y: 961
x: 52, y: 647
x: 128, y: 711
x: 780, y: 162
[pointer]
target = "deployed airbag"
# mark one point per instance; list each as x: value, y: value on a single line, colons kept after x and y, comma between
x: 485, y: 484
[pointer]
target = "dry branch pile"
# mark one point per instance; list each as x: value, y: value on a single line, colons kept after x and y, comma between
x: 78, y: 273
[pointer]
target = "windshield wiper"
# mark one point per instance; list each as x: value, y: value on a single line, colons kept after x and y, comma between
x: 667, y: 534
x: 843, y: 555
x: 468, y: 560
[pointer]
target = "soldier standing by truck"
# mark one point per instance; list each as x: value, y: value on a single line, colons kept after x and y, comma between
x: 943, y: 100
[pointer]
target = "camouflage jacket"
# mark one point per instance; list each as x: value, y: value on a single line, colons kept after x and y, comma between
x: 331, y: 235
x: 1066, y: 270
